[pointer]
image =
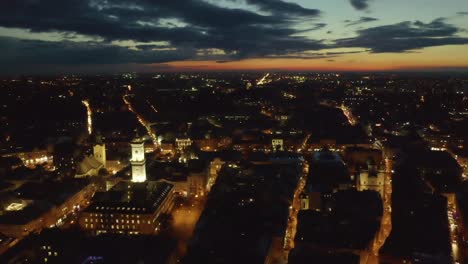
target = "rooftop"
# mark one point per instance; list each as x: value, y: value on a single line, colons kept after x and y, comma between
x: 131, y: 198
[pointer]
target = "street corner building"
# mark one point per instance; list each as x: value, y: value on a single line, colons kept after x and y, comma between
x: 128, y: 208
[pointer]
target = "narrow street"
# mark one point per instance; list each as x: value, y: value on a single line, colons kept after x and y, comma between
x: 89, y: 116
x: 386, y: 223
x: 263, y: 79
x: 141, y: 120
x: 453, y: 221
x: 349, y: 115
x: 293, y: 212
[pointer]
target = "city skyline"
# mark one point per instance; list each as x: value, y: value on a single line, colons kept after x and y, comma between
x: 151, y: 36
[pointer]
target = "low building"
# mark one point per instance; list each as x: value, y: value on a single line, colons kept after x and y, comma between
x: 42, y: 205
x: 372, y: 178
x: 33, y: 158
x: 57, y: 246
x: 167, y: 147
x: 128, y: 208
x: 183, y: 143
x: 277, y: 144
x: 88, y: 166
x: 348, y: 224
x: 327, y: 174
x: 357, y: 157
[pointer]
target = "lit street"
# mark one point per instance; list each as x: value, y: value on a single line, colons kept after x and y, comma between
x: 294, y: 210
x: 141, y: 120
x: 386, y: 223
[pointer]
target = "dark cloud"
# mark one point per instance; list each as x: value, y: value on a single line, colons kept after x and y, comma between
x: 462, y: 13
x: 16, y: 52
x: 282, y: 7
x: 405, y: 36
x: 312, y: 55
x: 315, y: 26
x: 189, y: 23
x: 152, y: 47
x: 361, y: 20
x: 360, y: 4
x: 192, y: 29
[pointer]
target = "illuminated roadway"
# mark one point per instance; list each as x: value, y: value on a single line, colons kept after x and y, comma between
x: 152, y: 106
x: 304, y: 143
x: 263, y: 79
x: 349, y: 115
x: 386, y: 222
x: 453, y: 221
x: 89, y: 114
x: 294, y: 210
x: 141, y: 120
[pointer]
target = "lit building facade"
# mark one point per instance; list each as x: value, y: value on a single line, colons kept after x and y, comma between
x: 99, y: 152
x: 183, y: 143
x: 33, y: 158
x: 128, y: 208
x: 138, y: 160
x: 277, y: 144
x: 215, y: 167
x: 372, y: 179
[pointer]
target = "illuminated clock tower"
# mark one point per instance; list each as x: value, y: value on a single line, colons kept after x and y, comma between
x: 138, y: 160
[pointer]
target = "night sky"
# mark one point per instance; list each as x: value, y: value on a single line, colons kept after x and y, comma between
x: 59, y: 36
